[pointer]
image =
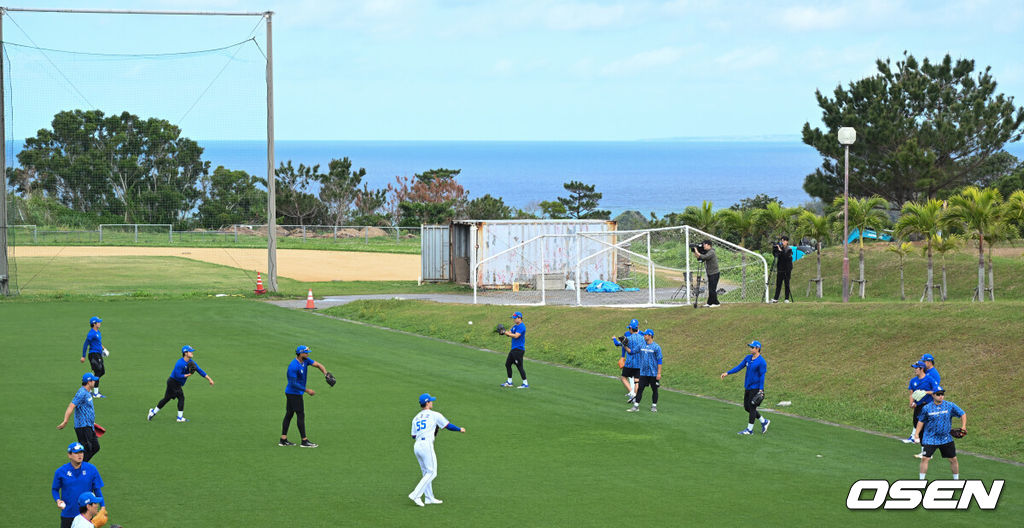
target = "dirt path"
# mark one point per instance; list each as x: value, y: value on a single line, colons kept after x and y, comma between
x: 299, y: 264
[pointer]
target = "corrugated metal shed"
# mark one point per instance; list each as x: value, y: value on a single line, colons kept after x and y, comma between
x: 473, y: 241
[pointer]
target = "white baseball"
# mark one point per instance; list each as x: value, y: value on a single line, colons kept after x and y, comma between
x: 60, y: 504
x: 471, y: 322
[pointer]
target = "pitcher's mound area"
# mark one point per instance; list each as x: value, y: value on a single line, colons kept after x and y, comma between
x: 299, y: 264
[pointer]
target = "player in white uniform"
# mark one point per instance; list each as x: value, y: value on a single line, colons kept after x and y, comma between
x: 424, y: 428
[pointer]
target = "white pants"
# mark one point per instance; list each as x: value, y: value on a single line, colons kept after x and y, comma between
x: 428, y: 465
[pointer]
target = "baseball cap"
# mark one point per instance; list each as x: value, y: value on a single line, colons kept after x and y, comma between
x: 88, y: 498
x: 187, y: 348
x: 301, y: 349
x: 754, y: 344
x: 426, y: 397
x: 75, y: 447
x: 939, y: 390
x: 95, y: 320
x: 88, y: 376
x: 649, y: 332
x: 917, y: 364
x: 517, y: 314
x: 633, y: 323
x: 928, y: 357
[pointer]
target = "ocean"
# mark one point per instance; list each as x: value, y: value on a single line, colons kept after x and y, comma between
x: 647, y: 176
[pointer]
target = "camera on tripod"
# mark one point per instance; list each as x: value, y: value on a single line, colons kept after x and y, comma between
x: 699, y: 247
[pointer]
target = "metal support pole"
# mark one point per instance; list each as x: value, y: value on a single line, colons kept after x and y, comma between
x: 687, y: 278
x: 5, y: 289
x: 650, y: 271
x: 543, y: 270
x: 136, y: 233
x: 846, y: 227
x: 271, y: 184
x: 579, y: 252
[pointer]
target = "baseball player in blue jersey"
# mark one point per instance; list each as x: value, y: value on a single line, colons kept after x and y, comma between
x: 293, y: 393
x: 935, y: 424
x: 650, y: 371
x: 94, y: 349
x: 929, y: 368
x: 753, y: 386
x: 631, y: 344
x: 85, y: 416
x: 517, y: 352
x: 920, y: 389
x: 72, y: 480
x: 425, y: 426
x: 176, y: 383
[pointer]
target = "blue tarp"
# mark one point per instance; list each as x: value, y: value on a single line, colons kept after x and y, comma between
x: 868, y: 233
x: 600, y: 286
x: 797, y: 254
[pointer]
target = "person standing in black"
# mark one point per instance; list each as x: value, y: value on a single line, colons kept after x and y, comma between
x: 783, y: 267
x: 707, y: 256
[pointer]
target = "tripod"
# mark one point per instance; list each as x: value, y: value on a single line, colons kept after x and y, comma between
x: 700, y: 270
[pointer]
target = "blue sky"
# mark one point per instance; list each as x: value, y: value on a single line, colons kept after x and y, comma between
x: 498, y: 69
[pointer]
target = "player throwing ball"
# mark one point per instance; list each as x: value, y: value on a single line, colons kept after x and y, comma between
x: 94, y: 349
x: 294, y: 391
x: 425, y: 425
x: 753, y: 386
x: 518, y: 350
x: 935, y: 423
x: 183, y: 368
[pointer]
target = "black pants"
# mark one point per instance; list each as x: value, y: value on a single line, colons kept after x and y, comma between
x: 96, y: 362
x: 294, y: 406
x: 66, y: 522
x: 174, y: 391
x: 749, y: 406
x: 713, y: 288
x: 647, y: 381
x: 87, y: 437
x: 917, y: 415
x: 780, y: 277
x: 515, y: 357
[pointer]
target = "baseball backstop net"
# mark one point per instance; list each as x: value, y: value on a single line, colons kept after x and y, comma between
x: 653, y: 267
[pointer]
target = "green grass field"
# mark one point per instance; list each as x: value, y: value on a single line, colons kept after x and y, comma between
x: 561, y: 453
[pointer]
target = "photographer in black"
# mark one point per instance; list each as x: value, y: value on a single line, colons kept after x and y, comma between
x: 706, y: 254
x: 783, y: 266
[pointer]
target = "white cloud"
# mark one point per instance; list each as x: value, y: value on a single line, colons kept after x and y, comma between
x: 575, y: 16
x: 813, y: 18
x: 644, y: 61
x: 748, y: 58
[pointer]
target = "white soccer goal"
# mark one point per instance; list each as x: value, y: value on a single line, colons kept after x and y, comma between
x: 652, y: 267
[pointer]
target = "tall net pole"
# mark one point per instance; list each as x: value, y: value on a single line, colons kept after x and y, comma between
x: 271, y: 184
x: 4, y: 270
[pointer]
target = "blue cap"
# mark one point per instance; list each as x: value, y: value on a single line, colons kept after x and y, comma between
x: 301, y: 349
x: 95, y: 320
x: 754, y: 344
x: 88, y: 498
x: 939, y: 390
x: 517, y: 314
x: 426, y: 397
x: 633, y: 323
x: 187, y: 348
x: 88, y: 376
x: 649, y: 332
x: 928, y: 357
x: 917, y: 364
x: 76, y: 447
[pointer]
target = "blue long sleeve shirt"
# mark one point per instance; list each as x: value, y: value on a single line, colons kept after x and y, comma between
x: 650, y: 358
x: 93, y: 343
x: 756, y: 369
x: 636, y: 342
x: 69, y: 483
x: 181, y: 368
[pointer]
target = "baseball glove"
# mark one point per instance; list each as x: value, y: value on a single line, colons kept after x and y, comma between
x: 758, y: 398
x: 958, y: 433
x: 500, y: 329
x: 918, y: 394
x: 191, y: 367
x: 330, y: 379
x: 622, y: 362
x: 100, y: 519
x: 100, y: 430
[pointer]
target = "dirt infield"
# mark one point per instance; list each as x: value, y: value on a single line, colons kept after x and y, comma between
x: 299, y: 264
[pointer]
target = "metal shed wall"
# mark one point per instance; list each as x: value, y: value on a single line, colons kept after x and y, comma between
x: 435, y: 253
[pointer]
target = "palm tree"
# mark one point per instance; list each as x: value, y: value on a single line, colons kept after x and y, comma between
x: 1001, y: 231
x: 744, y: 224
x: 901, y: 249
x: 976, y: 210
x: 864, y: 213
x: 775, y: 219
x: 821, y: 229
x: 1015, y: 206
x: 923, y: 219
x: 702, y: 218
x: 943, y: 245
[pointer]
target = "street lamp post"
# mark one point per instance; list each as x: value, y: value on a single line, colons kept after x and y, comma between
x: 847, y: 136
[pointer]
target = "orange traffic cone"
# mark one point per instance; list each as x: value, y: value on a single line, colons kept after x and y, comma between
x: 259, y: 284
x: 309, y: 301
